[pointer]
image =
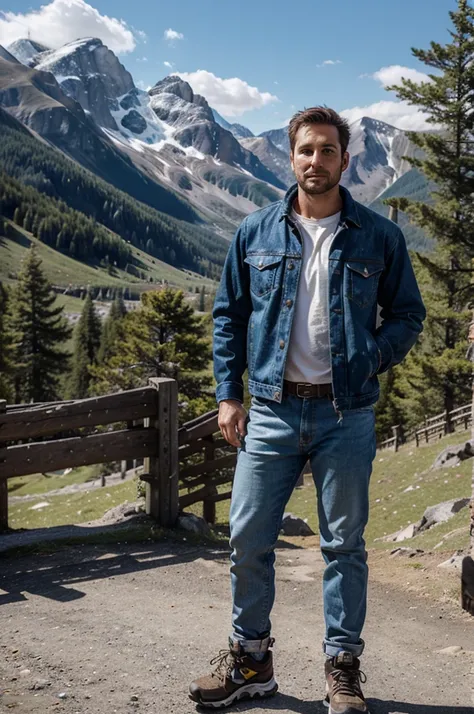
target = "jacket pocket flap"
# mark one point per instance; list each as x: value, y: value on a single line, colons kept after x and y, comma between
x: 365, y: 269
x: 263, y: 261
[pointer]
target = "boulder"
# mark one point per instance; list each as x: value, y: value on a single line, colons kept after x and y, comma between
x: 454, y: 562
x: 291, y: 525
x: 454, y: 454
x: 442, y: 512
x: 408, y: 552
x: 194, y: 524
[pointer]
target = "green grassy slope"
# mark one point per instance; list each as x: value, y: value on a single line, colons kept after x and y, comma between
x: 62, y: 270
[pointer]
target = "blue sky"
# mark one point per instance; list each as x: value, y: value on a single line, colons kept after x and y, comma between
x: 256, y: 61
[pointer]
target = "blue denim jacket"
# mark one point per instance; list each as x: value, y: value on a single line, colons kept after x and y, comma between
x: 368, y: 266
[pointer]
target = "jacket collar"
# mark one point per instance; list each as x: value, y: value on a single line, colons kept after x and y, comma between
x: 349, y: 211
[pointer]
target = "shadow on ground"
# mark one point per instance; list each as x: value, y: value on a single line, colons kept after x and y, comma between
x: 56, y: 575
x: 287, y: 703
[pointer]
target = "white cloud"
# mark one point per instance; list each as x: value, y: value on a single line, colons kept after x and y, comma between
x: 172, y: 35
x: 394, y: 73
x: 231, y: 97
x: 168, y: 64
x: 142, y: 59
x: 327, y: 63
x: 63, y: 21
x: 400, y: 114
x: 141, y: 85
x: 141, y: 35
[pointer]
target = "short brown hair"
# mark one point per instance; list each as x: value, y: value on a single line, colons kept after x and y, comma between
x: 320, y: 115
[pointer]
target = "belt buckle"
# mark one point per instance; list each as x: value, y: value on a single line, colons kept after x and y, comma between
x: 306, y: 390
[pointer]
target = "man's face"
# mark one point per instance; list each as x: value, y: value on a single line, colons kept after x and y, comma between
x: 317, y: 158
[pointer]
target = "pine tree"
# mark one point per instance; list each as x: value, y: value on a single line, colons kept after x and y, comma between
x: 165, y: 338
x: 438, y: 364
x: 87, y: 337
x: 110, y: 329
x: 202, y: 299
x: 6, y: 348
x: 40, y: 329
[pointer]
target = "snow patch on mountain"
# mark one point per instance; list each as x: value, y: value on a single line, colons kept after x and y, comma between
x: 24, y: 50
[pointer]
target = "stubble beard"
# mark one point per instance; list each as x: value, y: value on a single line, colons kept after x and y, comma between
x: 311, y: 189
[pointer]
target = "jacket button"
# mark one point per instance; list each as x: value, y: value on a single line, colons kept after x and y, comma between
x: 291, y: 266
x: 289, y: 303
x: 282, y: 344
x: 260, y: 265
x: 276, y: 395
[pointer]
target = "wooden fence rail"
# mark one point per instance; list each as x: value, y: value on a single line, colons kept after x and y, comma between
x: 436, y: 426
x: 25, y: 447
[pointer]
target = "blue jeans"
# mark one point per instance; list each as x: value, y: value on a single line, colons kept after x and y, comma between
x: 280, y: 439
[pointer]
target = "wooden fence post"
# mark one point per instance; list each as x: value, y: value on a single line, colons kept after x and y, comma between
x: 396, y: 436
x: 3, y: 486
x: 162, y: 488
x: 209, y: 506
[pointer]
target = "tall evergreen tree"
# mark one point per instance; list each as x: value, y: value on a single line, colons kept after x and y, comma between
x: 165, y: 338
x: 110, y: 328
x: 6, y: 348
x: 438, y: 364
x: 87, y: 338
x: 40, y: 330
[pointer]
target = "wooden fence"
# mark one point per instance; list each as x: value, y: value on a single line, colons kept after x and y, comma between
x: 433, y: 428
x: 37, y: 438
x: 180, y: 466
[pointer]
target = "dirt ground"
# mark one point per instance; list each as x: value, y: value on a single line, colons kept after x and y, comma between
x: 113, y: 629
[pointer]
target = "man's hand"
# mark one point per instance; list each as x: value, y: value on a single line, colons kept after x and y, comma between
x: 231, y: 420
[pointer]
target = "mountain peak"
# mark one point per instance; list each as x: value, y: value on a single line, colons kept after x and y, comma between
x: 374, y: 124
x: 25, y: 49
x: 172, y: 84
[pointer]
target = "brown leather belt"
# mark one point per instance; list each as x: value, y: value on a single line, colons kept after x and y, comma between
x: 307, y: 391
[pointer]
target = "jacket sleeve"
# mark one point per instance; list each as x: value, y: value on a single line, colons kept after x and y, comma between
x: 402, y: 311
x: 231, y: 314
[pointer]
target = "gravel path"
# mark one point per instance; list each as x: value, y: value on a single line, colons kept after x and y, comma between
x: 112, y: 629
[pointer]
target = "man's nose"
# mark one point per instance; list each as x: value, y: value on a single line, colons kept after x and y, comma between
x: 316, y: 158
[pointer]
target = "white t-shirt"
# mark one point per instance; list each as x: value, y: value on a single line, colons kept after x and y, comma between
x: 309, y: 358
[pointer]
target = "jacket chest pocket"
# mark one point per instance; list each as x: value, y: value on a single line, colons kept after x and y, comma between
x: 363, y: 281
x: 263, y: 271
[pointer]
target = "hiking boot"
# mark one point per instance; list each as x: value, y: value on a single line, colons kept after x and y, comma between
x: 343, y: 678
x: 237, y: 676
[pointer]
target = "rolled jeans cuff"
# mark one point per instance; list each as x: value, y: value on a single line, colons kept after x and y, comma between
x: 251, y: 646
x: 332, y: 649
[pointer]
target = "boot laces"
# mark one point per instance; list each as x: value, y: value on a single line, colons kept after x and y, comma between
x: 226, y: 661
x: 347, y: 681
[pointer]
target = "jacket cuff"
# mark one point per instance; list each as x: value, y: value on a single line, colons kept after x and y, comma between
x: 386, y: 353
x: 230, y: 390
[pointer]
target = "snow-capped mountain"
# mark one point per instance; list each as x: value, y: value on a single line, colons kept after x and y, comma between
x: 82, y: 99
x: 274, y: 158
x: 175, y: 103
x: 238, y: 130
x: 24, y: 50
x: 376, y: 150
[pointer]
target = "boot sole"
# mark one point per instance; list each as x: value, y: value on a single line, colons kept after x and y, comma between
x: 331, y: 711
x: 249, y: 691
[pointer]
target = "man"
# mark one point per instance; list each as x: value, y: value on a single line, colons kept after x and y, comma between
x: 297, y: 306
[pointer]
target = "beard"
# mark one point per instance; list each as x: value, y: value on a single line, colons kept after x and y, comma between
x: 322, y: 184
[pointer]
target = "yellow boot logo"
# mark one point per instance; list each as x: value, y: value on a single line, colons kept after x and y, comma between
x: 247, y: 673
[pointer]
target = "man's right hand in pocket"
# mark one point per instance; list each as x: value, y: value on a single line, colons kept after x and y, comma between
x: 231, y: 420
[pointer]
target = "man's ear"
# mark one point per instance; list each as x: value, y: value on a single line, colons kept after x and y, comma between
x: 292, y: 162
x: 345, y: 161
